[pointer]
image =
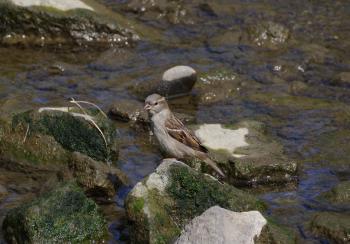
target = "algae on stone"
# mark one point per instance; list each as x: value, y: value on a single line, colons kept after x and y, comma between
x: 63, y: 215
x: 162, y: 204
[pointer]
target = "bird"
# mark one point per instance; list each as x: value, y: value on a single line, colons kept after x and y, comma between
x: 174, y: 138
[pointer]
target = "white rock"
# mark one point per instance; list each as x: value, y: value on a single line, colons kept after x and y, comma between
x: 220, y: 226
x: 215, y: 137
x: 178, y: 72
x: 59, y: 4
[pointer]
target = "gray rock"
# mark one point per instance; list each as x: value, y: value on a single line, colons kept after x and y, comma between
x: 97, y: 178
x: 176, y: 81
x: 3, y: 191
x: 220, y: 226
x: 342, y: 79
x: 46, y: 22
x: 246, y: 153
x: 168, y: 199
x: 339, y: 194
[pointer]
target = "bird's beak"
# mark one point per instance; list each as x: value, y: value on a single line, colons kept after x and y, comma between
x: 147, y: 107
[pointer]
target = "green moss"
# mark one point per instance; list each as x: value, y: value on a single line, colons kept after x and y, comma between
x: 73, y: 133
x: 138, y: 205
x: 195, y: 193
x: 64, y: 215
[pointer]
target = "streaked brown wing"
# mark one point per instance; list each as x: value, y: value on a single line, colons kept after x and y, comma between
x: 178, y: 131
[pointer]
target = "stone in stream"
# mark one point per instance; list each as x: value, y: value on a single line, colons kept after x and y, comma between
x: 333, y: 226
x: 342, y: 79
x: 53, y: 22
x: 160, y: 206
x: 62, y: 215
x: 218, y: 225
x: 176, y: 81
x: 97, y: 178
x: 246, y: 153
x: 340, y: 194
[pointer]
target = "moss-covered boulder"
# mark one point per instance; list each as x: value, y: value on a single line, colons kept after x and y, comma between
x: 97, y: 178
x: 93, y: 135
x: 332, y: 226
x: 246, y: 153
x: 160, y: 206
x: 61, y: 216
x: 41, y: 23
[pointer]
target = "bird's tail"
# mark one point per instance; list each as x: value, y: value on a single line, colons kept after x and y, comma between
x: 212, y: 164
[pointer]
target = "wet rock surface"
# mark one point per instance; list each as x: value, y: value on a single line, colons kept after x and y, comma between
x: 63, y: 215
x: 247, y: 154
x: 48, y: 24
x: 162, y: 204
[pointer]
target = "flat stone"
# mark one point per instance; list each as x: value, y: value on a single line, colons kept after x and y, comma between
x: 221, y: 226
x: 216, y: 137
x: 246, y: 153
x: 62, y: 5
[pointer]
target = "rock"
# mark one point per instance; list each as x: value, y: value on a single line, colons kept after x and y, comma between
x: 3, y: 192
x: 72, y: 130
x: 176, y: 81
x: 168, y: 199
x: 46, y: 22
x: 246, y: 153
x: 333, y: 226
x: 268, y: 34
x: 128, y: 110
x: 73, y: 4
x: 63, y: 215
x: 217, y: 225
x: 97, y: 178
x: 342, y: 79
x: 339, y: 194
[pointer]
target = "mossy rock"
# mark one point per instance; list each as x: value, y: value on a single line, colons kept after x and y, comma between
x: 72, y: 132
x: 63, y: 215
x: 248, y: 154
x: 339, y: 194
x: 333, y: 226
x: 41, y: 25
x: 162, y: 204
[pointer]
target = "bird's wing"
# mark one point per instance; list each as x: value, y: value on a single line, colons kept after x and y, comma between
x: 178, y: 131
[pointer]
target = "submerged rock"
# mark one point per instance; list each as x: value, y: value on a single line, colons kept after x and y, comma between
x: 246, y: 153
x: 97, y: 178
x: 41, y: 23
x: 162, y: 204
x: 339, y: 194
x: 333, y: 226
x: 176, y: 81
x: 268, y: 34
x: 217, y: 225
x: 63, y: 215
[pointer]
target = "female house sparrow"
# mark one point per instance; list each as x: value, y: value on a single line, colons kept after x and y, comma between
x: 174, y: 138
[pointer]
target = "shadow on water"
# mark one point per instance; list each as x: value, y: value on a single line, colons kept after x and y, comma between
x: 290, y: 89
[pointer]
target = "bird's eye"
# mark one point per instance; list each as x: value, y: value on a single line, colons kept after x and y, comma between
x: 155, y: 103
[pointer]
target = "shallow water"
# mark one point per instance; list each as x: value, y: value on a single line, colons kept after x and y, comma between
x: 312, y: 121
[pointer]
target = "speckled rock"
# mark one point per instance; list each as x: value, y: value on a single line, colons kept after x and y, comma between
x: 48, y: 22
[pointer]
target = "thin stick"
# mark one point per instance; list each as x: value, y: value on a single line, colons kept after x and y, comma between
x: 92, y: 121
x: 92, y: 104
x: 25, y: 136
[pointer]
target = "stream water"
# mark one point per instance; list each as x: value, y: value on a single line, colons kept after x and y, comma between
x: 292, y: 89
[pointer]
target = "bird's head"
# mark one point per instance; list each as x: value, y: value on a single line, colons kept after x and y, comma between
x: 155, y: 104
